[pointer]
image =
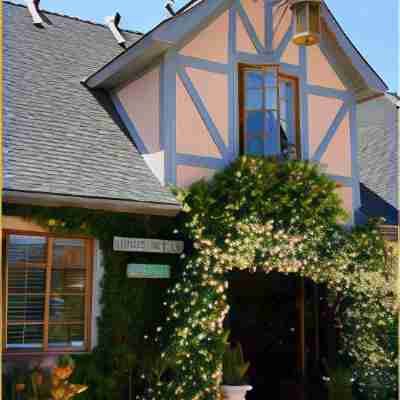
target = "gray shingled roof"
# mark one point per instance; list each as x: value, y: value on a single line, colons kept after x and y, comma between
x: 379, y: 157
x: 58, y: 139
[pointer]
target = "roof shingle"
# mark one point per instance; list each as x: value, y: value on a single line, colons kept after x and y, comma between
x: 58, y: 138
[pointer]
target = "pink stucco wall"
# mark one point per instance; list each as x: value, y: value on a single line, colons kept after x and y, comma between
x: 207, y: 85
x: 321, y: 113
x: 282, y: 22
x: 192, y: 136
x: 282, y: 19
x: 212, y: 42
x: 141, y: 100
x: 346, y: 195
x: 337, y: 157
x: 255, y: 10
x: 243, y: 42
x: 186, y: 175
x: 320, y: 72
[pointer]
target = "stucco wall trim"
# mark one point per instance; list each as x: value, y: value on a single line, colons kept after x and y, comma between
x: 199, y: 63
x: 199, y: 161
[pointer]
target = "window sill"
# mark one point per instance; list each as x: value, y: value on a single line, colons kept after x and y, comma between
x: 41, y: 354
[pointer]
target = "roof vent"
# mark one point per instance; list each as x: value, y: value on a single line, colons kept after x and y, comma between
x: 33, y: 7
x: 112, y: 23
x: 170, y: 7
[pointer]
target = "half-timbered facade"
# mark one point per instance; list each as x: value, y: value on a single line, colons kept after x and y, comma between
x: 224, y: 78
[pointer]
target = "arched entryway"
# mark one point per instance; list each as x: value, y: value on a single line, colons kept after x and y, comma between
x: 273, y: 217
x: 281, y: 322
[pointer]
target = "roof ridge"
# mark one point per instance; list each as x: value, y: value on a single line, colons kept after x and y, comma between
x: 72, y: 17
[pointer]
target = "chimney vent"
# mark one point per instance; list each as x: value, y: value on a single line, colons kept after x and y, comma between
x: 170, y: 7
x: 112, y: 23
x: 33, y: 7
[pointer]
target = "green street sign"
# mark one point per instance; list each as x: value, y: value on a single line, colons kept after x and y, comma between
x: 148, y: 271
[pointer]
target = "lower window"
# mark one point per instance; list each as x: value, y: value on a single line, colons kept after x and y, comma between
x: 47, y: 293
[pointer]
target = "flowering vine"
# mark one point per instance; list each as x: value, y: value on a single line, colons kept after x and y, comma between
x: 268, y: 215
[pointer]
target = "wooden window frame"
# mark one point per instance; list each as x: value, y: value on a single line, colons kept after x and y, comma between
x: 242, y: 98
x: 89, y: 259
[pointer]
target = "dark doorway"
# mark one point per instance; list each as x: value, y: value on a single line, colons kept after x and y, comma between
x: 274, y: 318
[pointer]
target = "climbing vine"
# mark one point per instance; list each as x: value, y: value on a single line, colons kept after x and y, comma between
x: 268, y: 215
x: 131, y: 308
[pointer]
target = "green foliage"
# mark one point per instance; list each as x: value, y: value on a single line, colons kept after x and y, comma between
x: 264, y: 214
x: 257, y: 214
x: 266, y: 187
x: 131, y: 308
x: 234, y: 366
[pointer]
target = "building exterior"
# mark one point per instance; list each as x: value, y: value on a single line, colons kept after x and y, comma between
x: 95, y: 125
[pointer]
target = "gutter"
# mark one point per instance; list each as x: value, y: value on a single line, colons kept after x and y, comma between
x: 95, y: 203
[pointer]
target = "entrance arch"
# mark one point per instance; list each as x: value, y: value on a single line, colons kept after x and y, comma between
x: 272, y: 216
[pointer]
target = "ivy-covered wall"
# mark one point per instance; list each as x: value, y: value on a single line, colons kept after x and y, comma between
x: 131, y: 308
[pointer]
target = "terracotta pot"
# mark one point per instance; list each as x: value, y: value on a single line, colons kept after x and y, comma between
x: 235, y: 392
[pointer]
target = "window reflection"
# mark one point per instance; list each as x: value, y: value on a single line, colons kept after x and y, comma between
x: 269, y: 126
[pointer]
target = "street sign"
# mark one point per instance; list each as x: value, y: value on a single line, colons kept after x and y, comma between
x: 148, y: 271
x: 148, y: 245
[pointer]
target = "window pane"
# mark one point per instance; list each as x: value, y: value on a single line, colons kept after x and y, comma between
x: 25, y: 336
x: 254, y: 99
x: 255, y: 145
x: 26, y: 280
x: 283, y: 110
x: 68, y: 253
x: 254, y: 79
x: 67, y: 308
x: 255, y: 122
x: 25, y: 308
x: 68, y: 280
x: 271, y: 78
x: 66, y: 336
x: 271, y: 101
x: 271, y: 122
x: 26, y: 251
x: 282, y: 90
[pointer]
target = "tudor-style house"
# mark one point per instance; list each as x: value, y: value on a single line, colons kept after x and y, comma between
x: 101, y: 118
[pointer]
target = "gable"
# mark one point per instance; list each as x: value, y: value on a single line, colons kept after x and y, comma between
x: 211, y: 43
x: 263, y: 34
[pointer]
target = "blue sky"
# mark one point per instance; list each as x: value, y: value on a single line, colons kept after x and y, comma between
x: 371, y: 24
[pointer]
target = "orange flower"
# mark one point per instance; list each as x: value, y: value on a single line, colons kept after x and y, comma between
x: 63, y: 373
x: 19, y: 387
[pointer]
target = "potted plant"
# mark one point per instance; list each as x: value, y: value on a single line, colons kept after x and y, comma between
x: 234, y: 372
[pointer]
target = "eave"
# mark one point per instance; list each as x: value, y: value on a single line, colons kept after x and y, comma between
x: 164, y: 36
x: 94, y: 203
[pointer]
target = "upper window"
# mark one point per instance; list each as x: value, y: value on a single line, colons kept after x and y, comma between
x: 47, y: 299
x: 269, y: 112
